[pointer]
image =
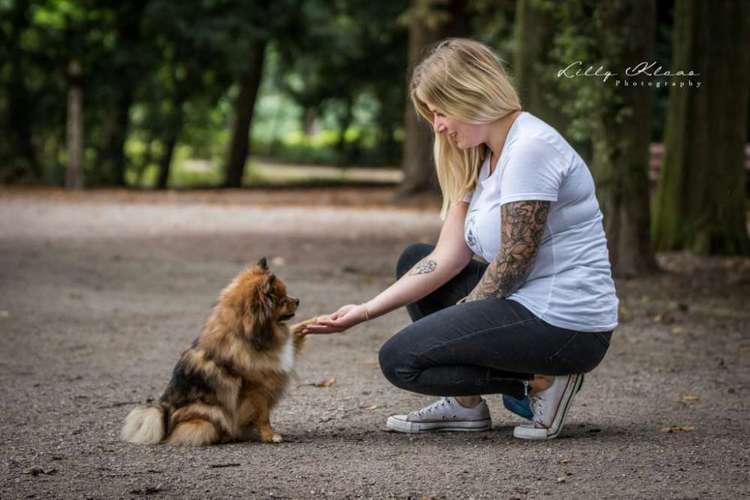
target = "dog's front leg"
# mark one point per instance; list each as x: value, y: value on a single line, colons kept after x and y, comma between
x: 263, y: 424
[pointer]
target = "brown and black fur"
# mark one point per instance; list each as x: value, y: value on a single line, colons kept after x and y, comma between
x: 226, y: 384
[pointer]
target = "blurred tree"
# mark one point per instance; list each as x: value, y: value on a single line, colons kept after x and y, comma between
x: 700, y: 202
x: 428, y: 21
x: 125, y: 68
x: 346, y: 50
x: 243, y: 110
x: 536, y: 28
x: 74, y: 172
x: 262, y: 19
x: 194, y: 44
x: 68, y: 41
x: 613, y: 35
x: 535, y: 68
x: 18, y: 154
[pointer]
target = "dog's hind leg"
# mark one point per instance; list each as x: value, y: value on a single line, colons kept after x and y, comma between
x: 194, y: 432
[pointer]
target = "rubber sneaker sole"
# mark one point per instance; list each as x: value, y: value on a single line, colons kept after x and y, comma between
x: 399, y: 423
x: 534, y: 433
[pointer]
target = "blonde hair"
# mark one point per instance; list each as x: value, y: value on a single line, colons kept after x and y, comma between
x: 465, y: 80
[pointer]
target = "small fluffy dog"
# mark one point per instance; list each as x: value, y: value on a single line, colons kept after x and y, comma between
x: 226, y: 384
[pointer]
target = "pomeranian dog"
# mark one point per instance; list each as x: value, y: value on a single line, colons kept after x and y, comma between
x: 225, y: 385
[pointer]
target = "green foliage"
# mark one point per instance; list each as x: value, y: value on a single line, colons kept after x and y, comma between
x: 583, y: 38
x: 335, y: 73
x: 157, y: 69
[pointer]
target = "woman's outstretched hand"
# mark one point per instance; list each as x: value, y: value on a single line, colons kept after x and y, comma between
x: 343, y: 319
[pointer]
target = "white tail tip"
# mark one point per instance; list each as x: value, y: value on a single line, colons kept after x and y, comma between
x: 144, y: 425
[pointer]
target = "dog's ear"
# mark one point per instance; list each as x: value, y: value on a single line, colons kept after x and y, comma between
x: 263, y: 264
x: 258, y: 321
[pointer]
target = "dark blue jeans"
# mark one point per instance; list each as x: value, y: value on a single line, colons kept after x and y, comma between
x: 484, y: 347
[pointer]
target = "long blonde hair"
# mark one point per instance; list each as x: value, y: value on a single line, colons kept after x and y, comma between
x: 465, y: 80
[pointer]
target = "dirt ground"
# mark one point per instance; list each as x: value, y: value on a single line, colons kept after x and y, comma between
x: 99, y: 293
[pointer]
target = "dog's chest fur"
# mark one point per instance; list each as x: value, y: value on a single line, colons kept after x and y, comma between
x: 286, y: 355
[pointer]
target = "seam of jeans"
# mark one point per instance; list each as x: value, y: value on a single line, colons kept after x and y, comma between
x: 512, y: 304
x: 602, y: 338
x: 566, y: 344
x: 485, y: 330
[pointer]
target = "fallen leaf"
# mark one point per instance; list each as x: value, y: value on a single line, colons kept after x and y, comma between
x: 35, y: 471
x: 326, y: 383
x: 677, y: 428
x: 678, y: 329
x: 373, y: 407
x: 370, y: 363
x: 689, y: 397
x: 147, y: 490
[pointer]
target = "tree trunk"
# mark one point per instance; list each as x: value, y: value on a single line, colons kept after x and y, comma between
x: 74, y: 173
x: 536, y: 28
x: 112, y: 156
x: 165, y: 161
x: 19, y: 101
x: 244, y: 109
x: 621, y: 147
x: 345, y: 121
x: 146, y: 160
x: 700, y: 201
x: 387, y: 121
x: 174, y: 128
x: 417, y: 161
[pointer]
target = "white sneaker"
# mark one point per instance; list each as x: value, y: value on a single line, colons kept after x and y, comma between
x: 550, y: 408
x: 445, y: 414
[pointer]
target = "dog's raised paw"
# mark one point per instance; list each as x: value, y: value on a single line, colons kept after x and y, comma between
x: 299, y: 328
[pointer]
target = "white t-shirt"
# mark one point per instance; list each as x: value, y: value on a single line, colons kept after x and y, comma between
x: 570, y: 285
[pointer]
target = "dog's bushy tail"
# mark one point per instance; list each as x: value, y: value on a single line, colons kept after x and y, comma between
x: 144, y: 425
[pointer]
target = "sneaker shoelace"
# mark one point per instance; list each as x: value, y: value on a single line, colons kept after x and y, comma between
x: 537, y: 407
x: 428, y: 410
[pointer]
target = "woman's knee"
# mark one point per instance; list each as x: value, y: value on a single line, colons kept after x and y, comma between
x: 410, y: 256
x: 395, y: 364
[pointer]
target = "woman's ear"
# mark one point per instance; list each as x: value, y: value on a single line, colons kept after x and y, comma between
x: 258, y: 320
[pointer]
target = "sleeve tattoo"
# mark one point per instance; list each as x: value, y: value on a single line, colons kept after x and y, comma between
x: 423, y: 267
x: 523, y: 225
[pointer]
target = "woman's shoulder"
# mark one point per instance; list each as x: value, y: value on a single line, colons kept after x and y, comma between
x: 534, y: 135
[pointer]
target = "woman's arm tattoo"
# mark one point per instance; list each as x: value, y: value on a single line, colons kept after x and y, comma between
x: 523, y: 225
x: 423, y: 267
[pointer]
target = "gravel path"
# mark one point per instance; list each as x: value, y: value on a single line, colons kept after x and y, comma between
x: 97, y: 299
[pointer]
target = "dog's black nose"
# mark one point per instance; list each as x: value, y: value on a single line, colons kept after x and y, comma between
x: 296, y: 302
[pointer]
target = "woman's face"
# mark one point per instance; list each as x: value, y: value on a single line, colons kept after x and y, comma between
x: 463, y: 135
